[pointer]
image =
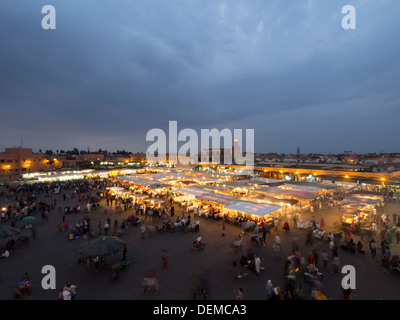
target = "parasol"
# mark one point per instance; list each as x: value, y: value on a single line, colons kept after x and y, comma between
x: 6, y: 231
x: 28, y: 218
x: 104, y: 246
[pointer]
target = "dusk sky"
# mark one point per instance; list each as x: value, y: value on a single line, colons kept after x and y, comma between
x: 113, y: 70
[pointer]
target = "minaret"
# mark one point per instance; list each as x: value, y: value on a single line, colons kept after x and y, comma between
x: 298, y: 151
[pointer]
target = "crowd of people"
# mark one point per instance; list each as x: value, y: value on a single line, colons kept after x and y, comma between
x: 42, y: 199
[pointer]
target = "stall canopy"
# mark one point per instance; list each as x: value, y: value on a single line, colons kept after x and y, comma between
x: 211, y: 187
x: 187, y: 182
x: 302, y: 187
x: 368, y: 196
x: 288, y: 193
x: 253, y: 182
x: 159, y: 186
x: 190, y: 191
x: 258, y: 209
x: 140, y: 196
x: 267, y: 180
x: 314, y: 184
x: 216, y: 198
x: 138, y: 181
x: 115, y: 189
x: 360, y: 200
x: 254, y: 197
x: 235, y: 184
x: 352, y: 211
x: 156, y: 200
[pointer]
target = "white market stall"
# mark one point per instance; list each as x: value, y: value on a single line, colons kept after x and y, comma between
x: 188, y: 196
x: 215, y: 202
x: 251, y: 210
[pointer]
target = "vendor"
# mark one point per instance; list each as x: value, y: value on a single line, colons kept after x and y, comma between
x: 5, y: 254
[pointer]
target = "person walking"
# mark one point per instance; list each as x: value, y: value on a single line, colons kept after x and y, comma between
x: 298, y: 293
x: 264, y: 234
x: 257, y: 264
x: 269, y: 289
x: 238, y: 294
x: 278, y: 242
x: 385, y: 264
x: 295, y: 220
x: 164, y: 259
x: 310, y: 240
x: 286, y: 226
x: 34, y: 232
x: 336, y: 264
x: 276, y: 223
x: 100, y: 227
x: 275, y: 251
x: 59, y: 228
x: 124, y: 252
x: 325, y: 259
x: 143, y: 231
x: 314, y: 223
x: 276, y: 295
x: 106, y: 226
x: 373, y: 246
x: 71, y: 291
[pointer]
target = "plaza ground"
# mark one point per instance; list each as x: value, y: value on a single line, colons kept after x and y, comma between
x: 186, y: 268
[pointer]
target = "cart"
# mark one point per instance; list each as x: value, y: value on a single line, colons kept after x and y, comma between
x: 318, y: 234
x: 304, y: 224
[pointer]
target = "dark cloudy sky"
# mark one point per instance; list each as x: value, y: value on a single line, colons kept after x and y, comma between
x: 112, y: 70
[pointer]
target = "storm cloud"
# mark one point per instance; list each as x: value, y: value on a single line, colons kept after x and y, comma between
x: 112, y: 70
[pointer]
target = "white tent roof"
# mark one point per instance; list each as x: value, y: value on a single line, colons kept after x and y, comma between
x: 156, y: 200
x: 258, y: 209
x: 236, y: 184
x: 360, y: 200
x: 115, y: 189
x: 191, y: 191
x: 140, y: 195
x: 136, y: 180
x: 302, y: 187
x: 216, y: 197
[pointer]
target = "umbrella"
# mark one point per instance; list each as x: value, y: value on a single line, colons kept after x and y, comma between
x: 28, y: 218
x: 102, y: 247
x: 6, y: 231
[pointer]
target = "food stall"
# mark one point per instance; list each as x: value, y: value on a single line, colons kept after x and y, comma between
x: 154, y: 203
x: 238, y: 188
x: 187, y: 197
x: 158, y: 189
x: 304, y: 198
x: 213, y: 203
x: 250, y: 211
x: 353, y: 218
x: 140, y: 197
